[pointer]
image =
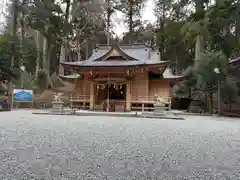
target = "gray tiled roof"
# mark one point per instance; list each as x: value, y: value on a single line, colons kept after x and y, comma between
x: 113, y: 63
x: 143, y: 54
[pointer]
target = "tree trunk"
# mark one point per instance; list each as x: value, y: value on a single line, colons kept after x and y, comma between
x: 108, y: 23
x: 46, y: 63
x: 177, y: 60
x: 79, y: 57
x: 162, y: 26
x: 22, y: 39
x: 199, y: 44
x: 87, y: 50
x: 199, y: 48
x: 62, y: 58
x: 130, y: 20
x: 64, y: 44
x: 225, y: 28
x: 210, y: 104
x: 131, y: 17
x: 22, y: 36
x: 14, y: 29
x: 47, y: 49
x: 14, y: 32
x: 38, y: 60
x: 51, y: 62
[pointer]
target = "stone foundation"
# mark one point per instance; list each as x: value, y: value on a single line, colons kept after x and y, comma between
x: 57, y: 107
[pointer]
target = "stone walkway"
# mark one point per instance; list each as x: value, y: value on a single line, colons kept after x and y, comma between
x: 117, y: 148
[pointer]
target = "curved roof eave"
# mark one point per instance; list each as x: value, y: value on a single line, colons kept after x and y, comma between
x: 70, y: 76
x: 75, y: 65
x: 167, y: 74
x: 174, y: 78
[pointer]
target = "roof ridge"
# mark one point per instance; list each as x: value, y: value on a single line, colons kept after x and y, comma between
x: 134, y: 46
x: 123, y: 46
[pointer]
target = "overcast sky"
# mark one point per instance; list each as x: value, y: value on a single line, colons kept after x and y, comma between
x: 148, y: 15
x: 2, y: 12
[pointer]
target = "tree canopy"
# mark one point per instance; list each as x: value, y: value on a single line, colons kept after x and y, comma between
x: 198, y: 34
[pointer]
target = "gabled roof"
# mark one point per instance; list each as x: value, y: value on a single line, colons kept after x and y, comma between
x: 115, y: 51
x: 129, y: 55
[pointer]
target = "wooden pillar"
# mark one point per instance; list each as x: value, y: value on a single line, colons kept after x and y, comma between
x: 142, y: 107
x: 84, y: 93
x: 171, y: 84
x: 128, y: 97
x: 91, y: 96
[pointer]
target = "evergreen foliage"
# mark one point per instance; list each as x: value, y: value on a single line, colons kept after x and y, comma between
x: 196, y: 40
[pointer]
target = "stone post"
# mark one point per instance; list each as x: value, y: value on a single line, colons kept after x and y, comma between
x: 128, y: 96
x: 171, y: 84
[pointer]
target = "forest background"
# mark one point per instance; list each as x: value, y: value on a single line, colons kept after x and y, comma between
x: 196, y: 36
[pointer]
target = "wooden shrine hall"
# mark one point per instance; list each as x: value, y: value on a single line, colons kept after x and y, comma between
x: 120, y: 78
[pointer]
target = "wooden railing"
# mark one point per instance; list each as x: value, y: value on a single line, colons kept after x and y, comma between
x: 138, y: 102
x: 231, y: 109
x: 146, y: 99
x: 80, y: 101
x: 142, y: 99
x: 80, y: 98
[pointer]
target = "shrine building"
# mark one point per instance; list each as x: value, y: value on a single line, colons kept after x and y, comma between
x: 121, y: 78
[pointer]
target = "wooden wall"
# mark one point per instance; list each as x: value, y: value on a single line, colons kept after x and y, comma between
x: 86, y: 86
x: 82, y: 88
x: 159, y: 87
x: 79, y: 87
x: 139, y: 85
x: 141, y: 88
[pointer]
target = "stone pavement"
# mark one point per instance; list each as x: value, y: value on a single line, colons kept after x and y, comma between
x: 117, y: 148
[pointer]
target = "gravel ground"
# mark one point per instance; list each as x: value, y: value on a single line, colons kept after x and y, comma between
x: 108, y: 148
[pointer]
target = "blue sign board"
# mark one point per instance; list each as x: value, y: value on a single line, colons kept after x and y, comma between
x: 22, y: 95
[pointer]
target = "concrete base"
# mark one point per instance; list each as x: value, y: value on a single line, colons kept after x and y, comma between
x: 159, y: 109
x: 57, y: 107
x: 115, y: 114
